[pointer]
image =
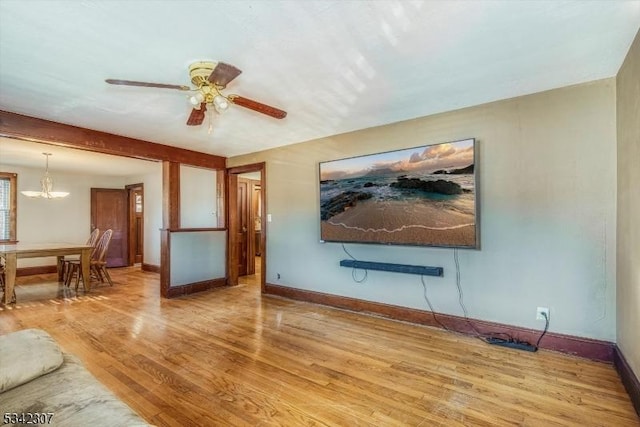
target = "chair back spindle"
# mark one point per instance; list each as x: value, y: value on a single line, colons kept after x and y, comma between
x: 93, y: 237
x: 100, y: 251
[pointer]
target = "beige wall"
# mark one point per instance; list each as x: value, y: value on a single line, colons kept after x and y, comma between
x: 628, y: 233
x: 547, y: 173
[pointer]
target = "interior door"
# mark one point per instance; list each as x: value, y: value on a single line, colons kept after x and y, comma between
x: 109, y: 210
x: 233, y: 218
x: 136, y: 223
x: 256, y: 209
x: 242, y: 225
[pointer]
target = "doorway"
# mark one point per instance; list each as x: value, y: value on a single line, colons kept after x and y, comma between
x: 136, y: 223
x: 109, y: 210
x: 121, y: 210
x: 249, y: 205
x: 247, y: 224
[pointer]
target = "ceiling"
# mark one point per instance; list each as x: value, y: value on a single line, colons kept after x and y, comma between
x: 334, y: 66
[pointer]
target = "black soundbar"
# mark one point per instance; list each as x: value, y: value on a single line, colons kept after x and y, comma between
x: 397, y: 268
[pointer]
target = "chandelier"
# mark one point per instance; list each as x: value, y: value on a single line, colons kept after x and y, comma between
x: 47, y: 186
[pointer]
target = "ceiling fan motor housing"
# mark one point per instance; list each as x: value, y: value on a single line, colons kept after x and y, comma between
x: 200, y: 72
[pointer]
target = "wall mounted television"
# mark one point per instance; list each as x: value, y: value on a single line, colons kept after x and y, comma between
x: 421, y: 196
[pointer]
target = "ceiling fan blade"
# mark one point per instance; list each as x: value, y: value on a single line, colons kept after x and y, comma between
x: 223, y: 74
x: 257, y: 106
x: 197, y: 116
x: 146, y: 84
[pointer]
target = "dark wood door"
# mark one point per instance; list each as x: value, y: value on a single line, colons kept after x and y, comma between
x: 257, y: 218
x: 242, y: 230
x: 109, y: 210
x: 253, y: 246
x: 136, y: 223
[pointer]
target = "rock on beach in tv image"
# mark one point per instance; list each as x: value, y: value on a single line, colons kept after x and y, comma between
x: 418, y: 196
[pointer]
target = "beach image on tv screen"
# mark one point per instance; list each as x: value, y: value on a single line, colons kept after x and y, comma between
x: 417, y: 196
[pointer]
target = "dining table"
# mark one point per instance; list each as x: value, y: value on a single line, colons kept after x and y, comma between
x: 12, y: 252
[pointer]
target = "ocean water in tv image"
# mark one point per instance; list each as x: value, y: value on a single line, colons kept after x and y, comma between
x: 431, y: 204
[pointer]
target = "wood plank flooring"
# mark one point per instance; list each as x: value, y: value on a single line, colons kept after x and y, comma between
x: 233, y: 357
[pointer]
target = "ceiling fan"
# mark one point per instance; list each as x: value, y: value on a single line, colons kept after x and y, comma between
x: 209, y: 79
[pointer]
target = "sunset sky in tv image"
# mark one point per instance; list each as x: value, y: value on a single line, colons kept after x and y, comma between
x: 427, y: 158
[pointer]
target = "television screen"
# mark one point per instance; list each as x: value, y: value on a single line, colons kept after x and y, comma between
x: 424, y: 196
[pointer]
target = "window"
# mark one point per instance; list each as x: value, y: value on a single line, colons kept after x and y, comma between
x: 8, y: 191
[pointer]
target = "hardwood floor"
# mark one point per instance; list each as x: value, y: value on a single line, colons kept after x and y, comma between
x: 232, y: 357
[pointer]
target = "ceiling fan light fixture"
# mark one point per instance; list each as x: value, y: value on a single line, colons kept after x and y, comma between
x: 196, y: 99
x: 220, y: 103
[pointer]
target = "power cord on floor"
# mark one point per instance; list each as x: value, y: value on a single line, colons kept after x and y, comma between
x: 521, y: 345
x: 487, y: 337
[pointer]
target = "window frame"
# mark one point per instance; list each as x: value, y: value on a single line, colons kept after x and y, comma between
x: 13, y: 207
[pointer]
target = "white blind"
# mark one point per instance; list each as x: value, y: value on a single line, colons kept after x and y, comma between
x: 5, y: 208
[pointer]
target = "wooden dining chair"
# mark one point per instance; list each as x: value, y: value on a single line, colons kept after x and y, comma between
x: 91, y: 241
x: 93, y: 237
x: 97, y: 266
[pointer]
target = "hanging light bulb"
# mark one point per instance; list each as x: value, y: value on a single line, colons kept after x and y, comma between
x: 196, y: 99
x: 47, y: 186
x: 220, y: 103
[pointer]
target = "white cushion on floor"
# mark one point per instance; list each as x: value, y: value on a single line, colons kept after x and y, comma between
x: 25, y: 355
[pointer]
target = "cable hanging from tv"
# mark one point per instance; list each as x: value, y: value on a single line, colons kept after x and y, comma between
x: 353, y: 272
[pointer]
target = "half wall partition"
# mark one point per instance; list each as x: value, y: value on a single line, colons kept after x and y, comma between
x: 194, y: 237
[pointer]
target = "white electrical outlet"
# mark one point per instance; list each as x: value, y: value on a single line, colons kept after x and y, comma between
x: 539, y: 312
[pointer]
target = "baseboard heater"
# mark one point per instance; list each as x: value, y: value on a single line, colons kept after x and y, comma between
x: 396, y: 268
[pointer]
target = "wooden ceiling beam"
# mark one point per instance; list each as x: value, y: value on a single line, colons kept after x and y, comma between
x: 28, y: 128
